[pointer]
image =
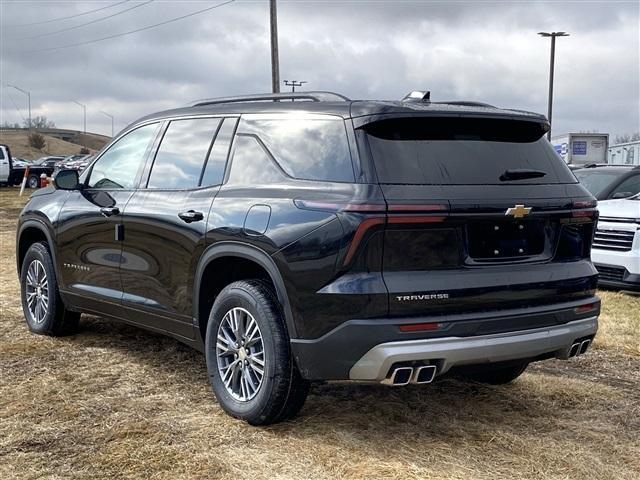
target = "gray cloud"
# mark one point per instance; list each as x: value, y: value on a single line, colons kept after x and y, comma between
x: 486, y: 51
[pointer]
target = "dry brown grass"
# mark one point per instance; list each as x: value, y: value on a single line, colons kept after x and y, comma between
x: 117, y: 402
x: 18, y: 142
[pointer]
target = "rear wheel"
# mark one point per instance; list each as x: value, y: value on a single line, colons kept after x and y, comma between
x: 496, y: 374
x: 41, y: 303
x: 249, y: 360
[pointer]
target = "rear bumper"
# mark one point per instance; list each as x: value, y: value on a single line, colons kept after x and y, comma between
x: 366, y: 349
x: 451, y: 352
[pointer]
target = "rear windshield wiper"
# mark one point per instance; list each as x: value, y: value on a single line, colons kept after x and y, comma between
x: 521, y: 174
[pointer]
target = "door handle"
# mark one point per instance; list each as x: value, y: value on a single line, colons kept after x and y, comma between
x: 191, y: 216
x: 108, y: 211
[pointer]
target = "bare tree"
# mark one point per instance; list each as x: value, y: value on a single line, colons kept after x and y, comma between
x: 40, y: 122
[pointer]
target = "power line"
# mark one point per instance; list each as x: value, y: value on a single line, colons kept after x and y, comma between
x: 68, y: 17
x: 87, y: 23
x: 96, y: 40
x: 15, y: 105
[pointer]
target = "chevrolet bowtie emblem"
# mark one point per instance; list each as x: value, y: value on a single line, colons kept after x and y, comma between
x: 518, y: 211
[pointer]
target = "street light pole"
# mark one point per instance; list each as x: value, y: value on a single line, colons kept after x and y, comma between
x: 275, y: 62
x: 293, y: 84
x: 28, y: 94
x: 111, y: 117
x: 553, y: 36
x: 84, y: 109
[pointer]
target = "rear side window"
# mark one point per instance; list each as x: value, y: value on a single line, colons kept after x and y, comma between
x: 307, y: 149
x: 462, y: 151
x: 214, y: 170
x: 182, y: 153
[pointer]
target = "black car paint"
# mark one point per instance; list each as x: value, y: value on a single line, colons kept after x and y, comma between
x: 141, y: 263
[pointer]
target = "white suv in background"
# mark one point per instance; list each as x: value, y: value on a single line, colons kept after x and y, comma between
x: 616, y: 247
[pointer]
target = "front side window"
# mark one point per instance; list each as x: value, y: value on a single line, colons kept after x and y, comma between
x: 118, y: 167
x: 183, y: 150
x: 596, y: 181
x: 308, y: 149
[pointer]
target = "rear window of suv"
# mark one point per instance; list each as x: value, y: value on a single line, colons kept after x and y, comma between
x: 307, y: 149
x: 462, y: 151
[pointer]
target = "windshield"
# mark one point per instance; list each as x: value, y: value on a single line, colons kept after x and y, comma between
x: 596, y: 181
x: 464, y: 151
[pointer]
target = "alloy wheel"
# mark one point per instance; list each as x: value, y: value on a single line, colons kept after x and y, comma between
x: 240, y: 354
x: 37, y: 291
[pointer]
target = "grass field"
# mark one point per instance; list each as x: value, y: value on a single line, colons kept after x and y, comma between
x: 117, y: 402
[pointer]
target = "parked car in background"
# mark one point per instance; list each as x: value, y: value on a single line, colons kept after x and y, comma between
x: 12, y: 173
x: 50, y: 161
x: 20, y: 162
x: 75, y: 162
x: 616, y: 246
x: 610, y: 181
x: 323, y: 239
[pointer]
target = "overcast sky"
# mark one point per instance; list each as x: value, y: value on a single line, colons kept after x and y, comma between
x: 485, y: 51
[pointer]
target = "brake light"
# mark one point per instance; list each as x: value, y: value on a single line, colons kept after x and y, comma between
x: 357, y: 237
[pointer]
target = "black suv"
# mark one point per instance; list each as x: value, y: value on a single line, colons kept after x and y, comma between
x: 607, y: 182
x: 301, y: 237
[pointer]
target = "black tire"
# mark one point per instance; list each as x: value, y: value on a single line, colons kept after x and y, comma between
x: 33, y: 181
x: 57, y: 320
x: 496, y: 374
x: 282, y: 391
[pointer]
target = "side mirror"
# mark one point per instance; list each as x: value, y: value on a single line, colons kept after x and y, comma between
x: 622, y: 195
x: 67, y: 180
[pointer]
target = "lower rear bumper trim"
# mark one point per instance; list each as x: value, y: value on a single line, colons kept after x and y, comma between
x: 454, y: 351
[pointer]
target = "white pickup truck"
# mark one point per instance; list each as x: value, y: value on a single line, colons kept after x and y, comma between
x: 11, y: 174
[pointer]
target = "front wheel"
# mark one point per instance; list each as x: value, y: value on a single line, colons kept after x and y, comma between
x: 41, y: 303
x: 33, y: 181
x: 249, y: 360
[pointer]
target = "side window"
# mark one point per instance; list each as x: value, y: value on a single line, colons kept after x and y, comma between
x: 214, y: 170
x: 251, y: 164
x: 182, y: 153
x: 628, y: 188
x: 118, y: 166
x: 309, y: 149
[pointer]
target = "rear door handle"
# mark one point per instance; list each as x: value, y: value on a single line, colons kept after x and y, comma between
x: 108, y: 211
x: 191, y: 216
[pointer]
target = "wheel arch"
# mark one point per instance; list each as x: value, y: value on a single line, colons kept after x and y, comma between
x: 229, y: 250
x: 32, y: 231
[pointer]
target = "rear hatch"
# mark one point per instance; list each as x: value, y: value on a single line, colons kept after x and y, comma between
x: 481, y: 214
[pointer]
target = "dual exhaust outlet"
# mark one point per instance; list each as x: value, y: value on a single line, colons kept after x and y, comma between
x: 578, y: 348
x: 405, y: 375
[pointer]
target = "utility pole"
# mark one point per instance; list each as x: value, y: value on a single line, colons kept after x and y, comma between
x: 28, y: 94
x: 293, y: 84
x: 275, y: 62
x: 84, y: 108
x: 111, y: 117
x: 553, y: 36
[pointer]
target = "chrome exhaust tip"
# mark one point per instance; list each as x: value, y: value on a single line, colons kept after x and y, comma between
x: 399, y: 376
x: 424, y: 374
x: 584, y: 346
x: 574, y: 350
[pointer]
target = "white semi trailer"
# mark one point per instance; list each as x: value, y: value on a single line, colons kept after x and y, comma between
x: 582, y: 148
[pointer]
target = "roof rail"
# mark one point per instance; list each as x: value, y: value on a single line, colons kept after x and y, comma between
x: 274, y: 97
